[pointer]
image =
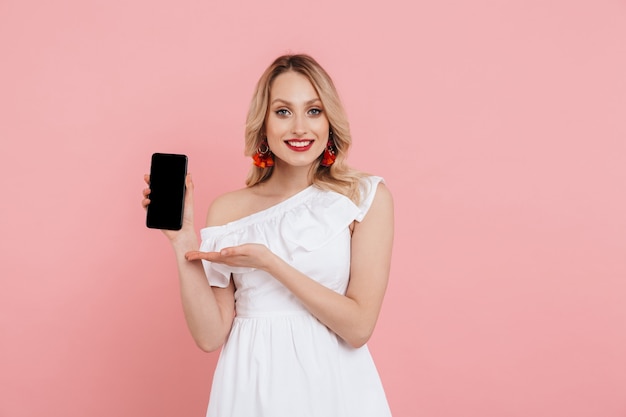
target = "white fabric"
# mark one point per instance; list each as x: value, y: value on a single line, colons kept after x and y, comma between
x: 279, y: 360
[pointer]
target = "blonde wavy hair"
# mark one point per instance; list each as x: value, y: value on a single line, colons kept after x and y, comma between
x: 339, y: 177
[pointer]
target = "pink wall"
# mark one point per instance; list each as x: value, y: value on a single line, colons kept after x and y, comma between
x: 499, y: 126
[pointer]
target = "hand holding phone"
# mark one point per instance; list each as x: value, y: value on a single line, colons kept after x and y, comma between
x: 167, y: 191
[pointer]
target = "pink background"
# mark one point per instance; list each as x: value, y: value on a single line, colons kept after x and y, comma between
x: 499, y: 126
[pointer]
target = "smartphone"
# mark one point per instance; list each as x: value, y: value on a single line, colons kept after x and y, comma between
x: 167, y: 191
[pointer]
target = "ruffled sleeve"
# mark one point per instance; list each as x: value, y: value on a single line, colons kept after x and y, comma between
x: 368, y: 191
x: 305, y: 222
x: 215, y: 239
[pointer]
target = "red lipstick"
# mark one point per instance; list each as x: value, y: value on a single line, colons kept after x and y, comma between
x: 299, y: 145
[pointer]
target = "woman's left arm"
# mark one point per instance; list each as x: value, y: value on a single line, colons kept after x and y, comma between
x: 352, y: 316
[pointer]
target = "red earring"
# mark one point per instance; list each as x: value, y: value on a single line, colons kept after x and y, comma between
x: 263, y: 156
x: 330, y: 153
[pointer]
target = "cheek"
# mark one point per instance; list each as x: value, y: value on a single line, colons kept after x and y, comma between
x: 324, y: 134
x: 321, y: 146
x: 323, y: 127
x: 274, y: 127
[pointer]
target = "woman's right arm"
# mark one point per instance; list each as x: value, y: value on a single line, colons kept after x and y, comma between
x: 209, y: 311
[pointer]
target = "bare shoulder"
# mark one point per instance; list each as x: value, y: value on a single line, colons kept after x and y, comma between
x: 383, y: 195
x: 382, y: 205
x: 228, y: 207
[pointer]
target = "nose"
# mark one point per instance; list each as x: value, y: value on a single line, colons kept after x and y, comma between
x: 299, y: 127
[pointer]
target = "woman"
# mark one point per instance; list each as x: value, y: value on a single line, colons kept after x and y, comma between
x: 291, y: 271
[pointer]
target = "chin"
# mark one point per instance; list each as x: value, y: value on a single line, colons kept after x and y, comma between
x: 299, y: 163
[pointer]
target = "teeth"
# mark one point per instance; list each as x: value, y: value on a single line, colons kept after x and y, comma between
x: 299, y: 144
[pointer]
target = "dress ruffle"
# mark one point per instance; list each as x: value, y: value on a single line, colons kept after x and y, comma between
x: 305, y: 221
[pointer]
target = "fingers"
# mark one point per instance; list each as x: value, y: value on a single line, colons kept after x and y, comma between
x: 221, y: 256
x: 246, y: 255
x: 227, y: 255
x: 146, y: 198
x: 197, y: 255
x: 188, y: 181
x: 192, y: 256
x: 189, y: 198
x: 146, y: 192
x: 189, y: 186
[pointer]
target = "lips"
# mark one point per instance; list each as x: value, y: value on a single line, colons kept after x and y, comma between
x: 299, y: 145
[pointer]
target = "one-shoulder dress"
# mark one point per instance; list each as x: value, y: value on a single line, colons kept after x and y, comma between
x: 279, y: 360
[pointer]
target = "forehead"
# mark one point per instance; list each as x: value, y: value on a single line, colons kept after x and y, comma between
x: 292, y: 86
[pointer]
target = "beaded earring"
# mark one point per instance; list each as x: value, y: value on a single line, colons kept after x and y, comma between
x: 263, y: 157
x: 330, y: 153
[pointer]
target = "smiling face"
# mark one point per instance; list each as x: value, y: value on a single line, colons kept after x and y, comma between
x: 296, y: 126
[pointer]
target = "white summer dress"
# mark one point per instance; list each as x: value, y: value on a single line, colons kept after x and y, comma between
x: 279, y: 360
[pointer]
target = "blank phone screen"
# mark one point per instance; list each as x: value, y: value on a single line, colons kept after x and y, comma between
x: 167, y: 191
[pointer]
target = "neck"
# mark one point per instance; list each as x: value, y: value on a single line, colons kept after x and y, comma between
x: 290, y: 179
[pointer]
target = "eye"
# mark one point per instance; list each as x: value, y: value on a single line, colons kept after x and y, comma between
x: 315, y: 112
x: 282, y: 112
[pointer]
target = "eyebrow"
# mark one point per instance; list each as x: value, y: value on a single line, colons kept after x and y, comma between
x: 291, y: 104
